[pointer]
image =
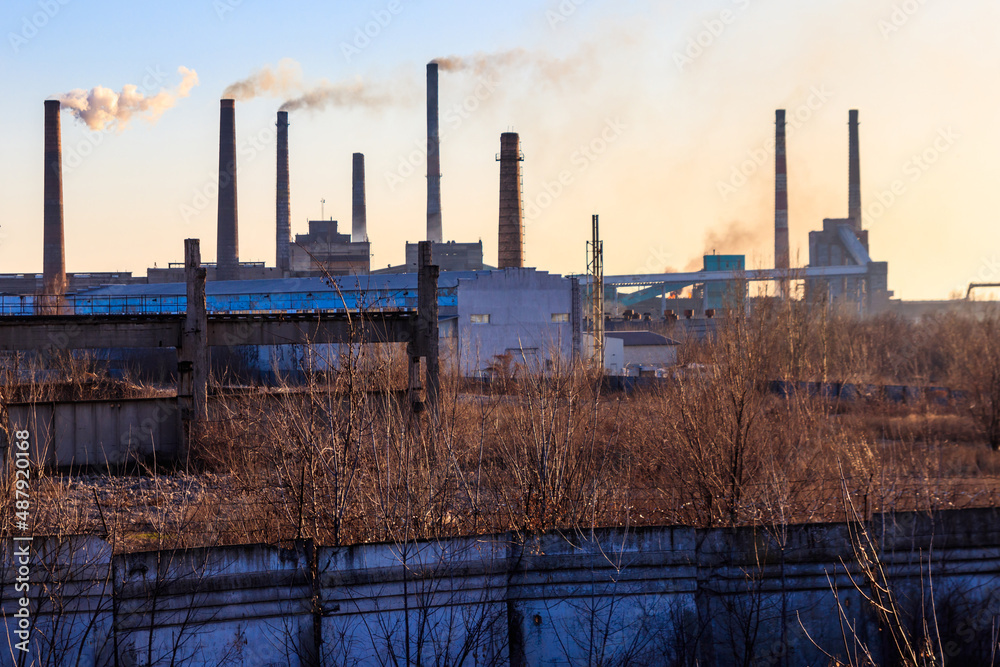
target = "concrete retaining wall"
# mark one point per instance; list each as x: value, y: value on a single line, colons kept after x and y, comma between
x: 649, y: 596
x: 99, y: 433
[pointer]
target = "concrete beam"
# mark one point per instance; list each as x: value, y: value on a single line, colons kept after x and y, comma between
x: 74, y: 332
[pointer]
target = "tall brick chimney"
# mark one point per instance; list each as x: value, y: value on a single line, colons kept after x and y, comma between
x: 854, y: 173
x: 227, y: 252
x: 511, y: 246
x: 435, y: 233
x: 781, y: 259
x: 283, y: 199
x: 359, y: 209
x: 54, y: 249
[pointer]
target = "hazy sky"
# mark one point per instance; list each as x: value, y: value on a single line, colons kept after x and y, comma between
x: 656, y: 115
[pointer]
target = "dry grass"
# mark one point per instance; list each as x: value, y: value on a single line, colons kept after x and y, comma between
x: 342, y: 460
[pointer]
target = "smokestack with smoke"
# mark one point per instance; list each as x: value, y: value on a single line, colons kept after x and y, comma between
x: 434, y: 230
x: 283, y: 200
x: 359, y: 211
x: 227, y: 261
x: 54, y: 253
x: 511, y: 252
x: 781, y: 260
x: 100, y: 106
x: 854, y: 173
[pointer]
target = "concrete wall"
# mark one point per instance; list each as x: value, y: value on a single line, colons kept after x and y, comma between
x: 520, y: 304
x: 649, y: 596
x: 99, y: 433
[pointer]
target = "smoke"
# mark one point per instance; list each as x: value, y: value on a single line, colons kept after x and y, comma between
x: 549, y: 68
x: 286, y: 81
x: 735, y: 237
x: 341, y: 94
x: 283, y: 80
x: 101, y: 106
x: 485, y: 63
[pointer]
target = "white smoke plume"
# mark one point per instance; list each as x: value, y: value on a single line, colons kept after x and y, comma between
x: 340, y: 94
x: 100, y: 106
x: 268, y: 81
x: 286, y: 81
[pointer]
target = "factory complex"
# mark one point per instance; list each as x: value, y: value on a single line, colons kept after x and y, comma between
x: 484, y: 313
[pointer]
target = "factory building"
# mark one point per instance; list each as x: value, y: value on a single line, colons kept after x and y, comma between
x: 528, y: 316
x: 646, y: 352
x: 450, y: 256
x: 521, y: 316
x: 842, y: 242
x: 719, y: 296
x: 325, y: 251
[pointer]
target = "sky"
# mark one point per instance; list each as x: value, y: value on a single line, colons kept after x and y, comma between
x: 656, y: 115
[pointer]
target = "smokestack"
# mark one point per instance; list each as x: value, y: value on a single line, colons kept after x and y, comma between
x: 854, y: 175
x: 54, y: 252
x: 511, y: 254
x: 227, y: 253
x: 434, y: 231
x: 780, y: 193
x: 283, y: 202
x: 359, y: 210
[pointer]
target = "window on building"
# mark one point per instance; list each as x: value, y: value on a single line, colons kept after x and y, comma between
x: 480, y: 319
x: 560, y: 317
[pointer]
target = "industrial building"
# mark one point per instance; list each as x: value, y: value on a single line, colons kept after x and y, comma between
x: 646, y: 352
x: 842, y: 242
x: 325, y: 251
x: 530, y: 317
x: 840, y: 272
x: 485, y: 314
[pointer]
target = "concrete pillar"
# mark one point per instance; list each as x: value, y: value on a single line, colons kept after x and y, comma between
x: 192, y: 357
x: 425, y: 344
x: 427, y: 320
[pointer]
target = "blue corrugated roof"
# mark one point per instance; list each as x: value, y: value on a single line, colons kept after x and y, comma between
x: 362, y: 283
